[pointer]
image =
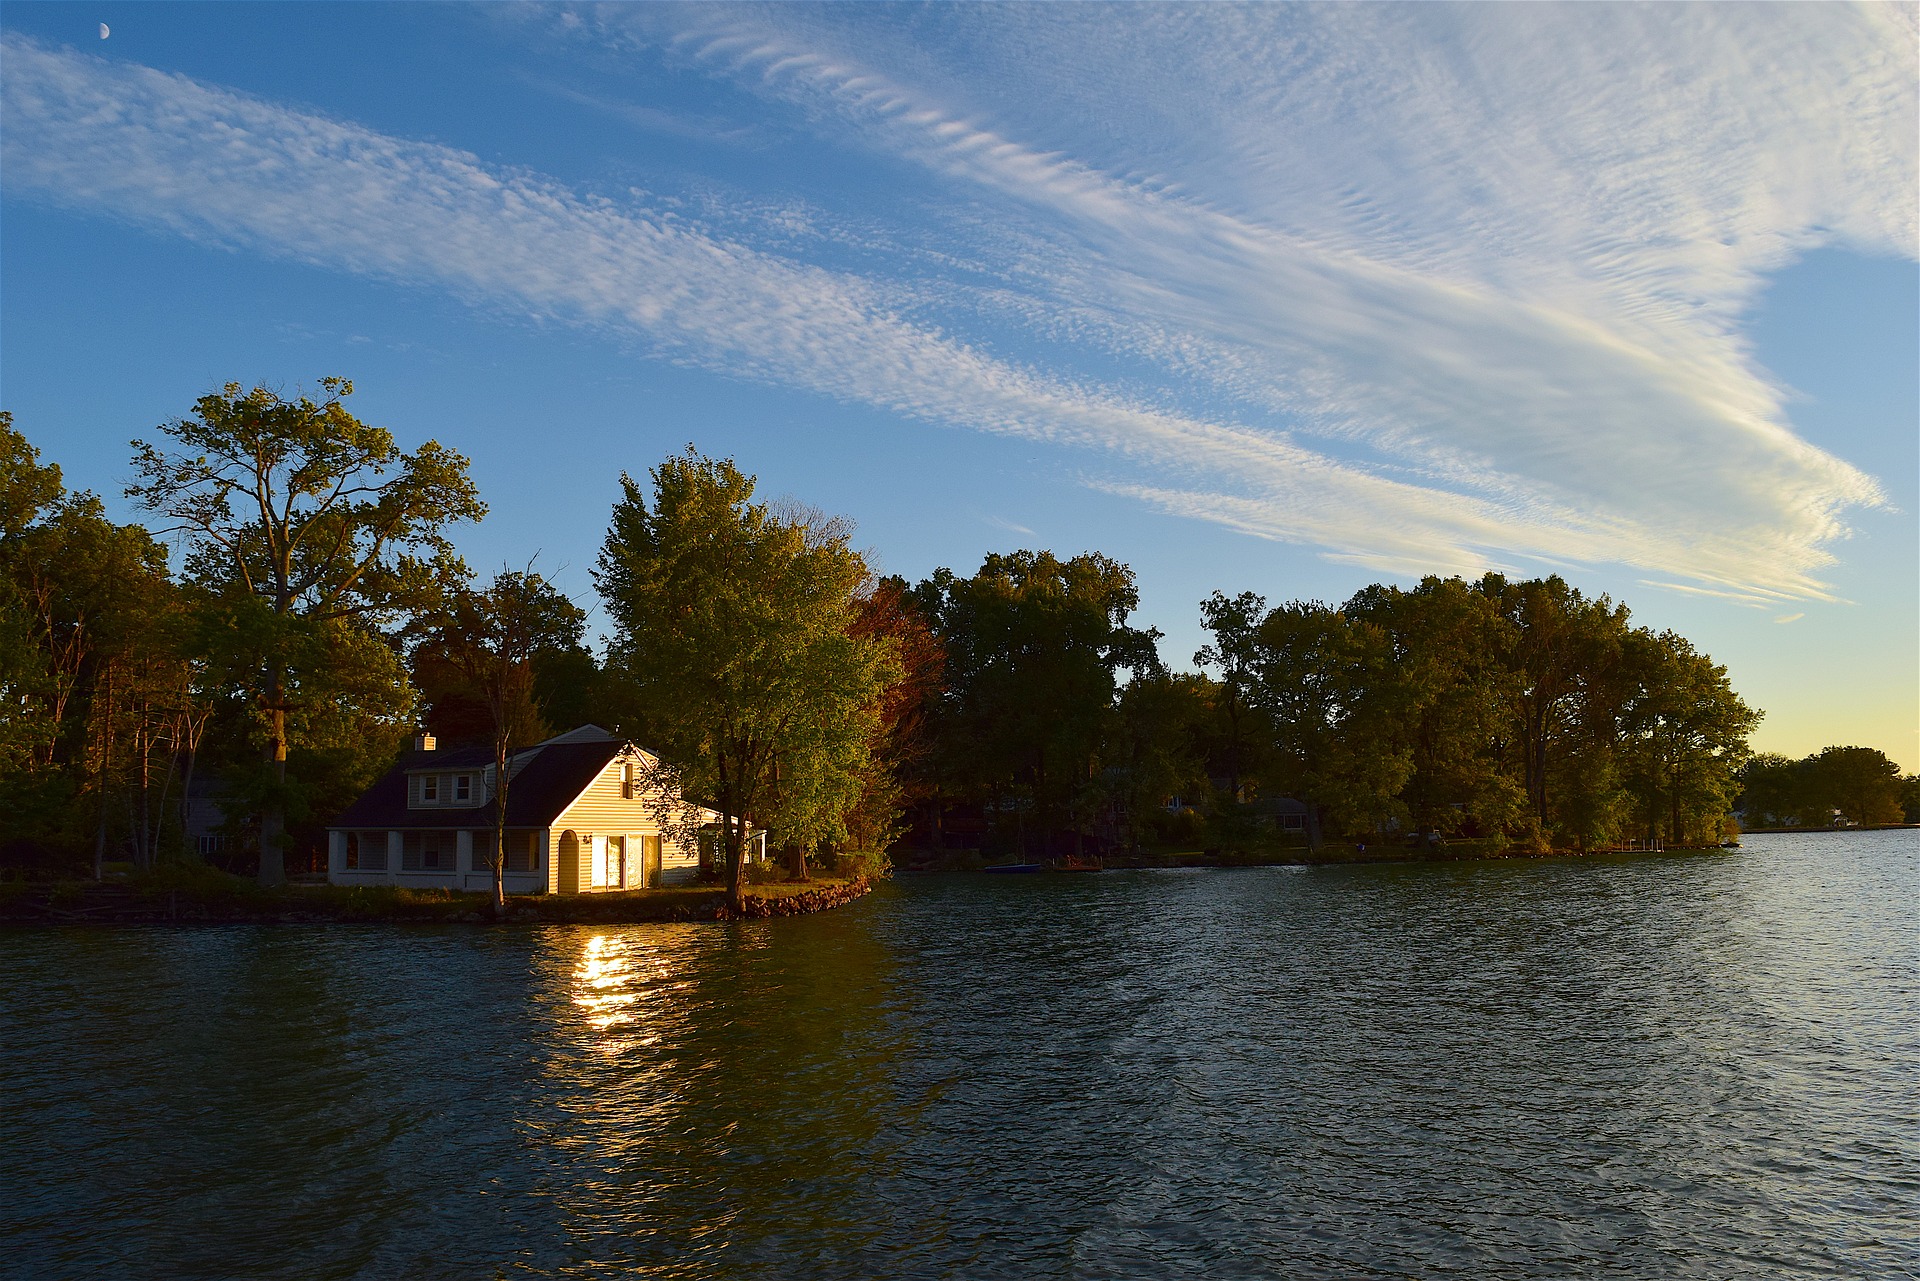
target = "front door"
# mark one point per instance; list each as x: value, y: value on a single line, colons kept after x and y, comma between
x: 650, y: 862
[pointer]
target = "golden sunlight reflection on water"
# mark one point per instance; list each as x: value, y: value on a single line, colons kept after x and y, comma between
x: 602, y: 982
x: 629, y: 985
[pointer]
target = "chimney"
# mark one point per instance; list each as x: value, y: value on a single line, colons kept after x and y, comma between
x: 423, y: 742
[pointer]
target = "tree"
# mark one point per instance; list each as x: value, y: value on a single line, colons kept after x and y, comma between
x: 30, y: 686
x: 1325, y: 683
x: 1234, y: 624
x: 102, y: 699
x: 491, y: 637
x: 734, y: 642
x: 1861, y: 782
x: 1153, y: 749
x: 1033, y: 647
x: 1450, y: 694
x: 1684, y: 736
x: 1772, y: 791
x: 898, y: 775
x: 1563, y: 652
x: 302, y: 523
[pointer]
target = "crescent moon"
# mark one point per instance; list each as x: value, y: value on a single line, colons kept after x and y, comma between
x: 104, y: 33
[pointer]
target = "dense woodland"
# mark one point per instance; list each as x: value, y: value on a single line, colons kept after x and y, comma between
x: 314, y: 611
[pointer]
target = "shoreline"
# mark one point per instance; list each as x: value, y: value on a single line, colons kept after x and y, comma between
x: 198, y: 900
x: 1327, y: 856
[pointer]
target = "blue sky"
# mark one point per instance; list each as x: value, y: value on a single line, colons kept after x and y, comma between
x: 1288, y: 299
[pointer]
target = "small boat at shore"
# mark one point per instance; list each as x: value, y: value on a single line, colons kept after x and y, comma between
x: 1014, y: 867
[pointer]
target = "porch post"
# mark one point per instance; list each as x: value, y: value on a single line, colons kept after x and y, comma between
x: 394, y: 840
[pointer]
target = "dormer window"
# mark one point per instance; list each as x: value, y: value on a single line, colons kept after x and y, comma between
x: 626, y: 780
x: 463, y: 787
x: 430, y: 787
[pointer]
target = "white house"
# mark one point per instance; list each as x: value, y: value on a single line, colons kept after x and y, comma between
x: 579, y: 820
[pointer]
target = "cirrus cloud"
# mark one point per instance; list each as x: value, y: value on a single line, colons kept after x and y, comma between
x: 1470, y: 324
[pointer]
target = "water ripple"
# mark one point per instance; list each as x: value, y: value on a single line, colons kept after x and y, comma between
x: 1661, y: 1067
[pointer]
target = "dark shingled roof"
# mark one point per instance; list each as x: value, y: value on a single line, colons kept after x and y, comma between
x: 544, y: 786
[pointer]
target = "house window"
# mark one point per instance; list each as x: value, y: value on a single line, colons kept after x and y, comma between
x: 520, y: 851
x: 626, y: 780
x: 213, y: 844
x: 430, y: 787
x: 462, y: 787
x: 426, y: 852
x: 367, y: 851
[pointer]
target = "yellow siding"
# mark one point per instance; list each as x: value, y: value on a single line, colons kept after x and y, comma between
x: 602, y: 811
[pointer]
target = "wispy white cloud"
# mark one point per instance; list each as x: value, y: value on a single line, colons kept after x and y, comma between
x: 1011, y: 527
x: 651, y: 119
x: 235, y: 171
x: 1790, y: 618
x: 1501, y: 290
x: 1509, y: 249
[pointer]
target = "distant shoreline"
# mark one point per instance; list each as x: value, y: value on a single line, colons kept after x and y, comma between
x: 1851, y: 827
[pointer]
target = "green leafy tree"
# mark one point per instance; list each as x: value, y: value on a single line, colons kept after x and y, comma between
x: 1320, y: 680
x: 306, y: 528
x: 1773, y: 791
x: 1449, y: 701
x: 1155, y: 750
x: 1234, y: 623
x: 735, y: 645
x: 1684, y: 735
x: 29, y: 720
x: 1033, y: 648
x: 1563, y: 654
x: 1861, y: 782
x: 101, y: 697
x: 491, y: 637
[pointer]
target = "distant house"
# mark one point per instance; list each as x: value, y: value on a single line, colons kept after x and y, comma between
x: 578, y: 820
x: 1282, y: 813
x: 203, y: 813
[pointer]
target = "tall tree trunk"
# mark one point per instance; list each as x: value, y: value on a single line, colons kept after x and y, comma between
x: 1674, y: 835
x: 186, y: 802
x: 273, y: 815
x: 731, y: 841
x: 103, y: 766
x: 734, y: 826
x: 499, y: 858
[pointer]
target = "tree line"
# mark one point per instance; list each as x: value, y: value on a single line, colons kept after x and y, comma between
x: 319, y: 612
x: 1855, y: 786
x: 1520, y: 712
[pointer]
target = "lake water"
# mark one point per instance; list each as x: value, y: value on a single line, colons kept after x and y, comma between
x: 1654, y: 1066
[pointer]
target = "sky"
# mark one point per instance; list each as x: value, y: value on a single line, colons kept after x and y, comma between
x: 1288, y: 299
